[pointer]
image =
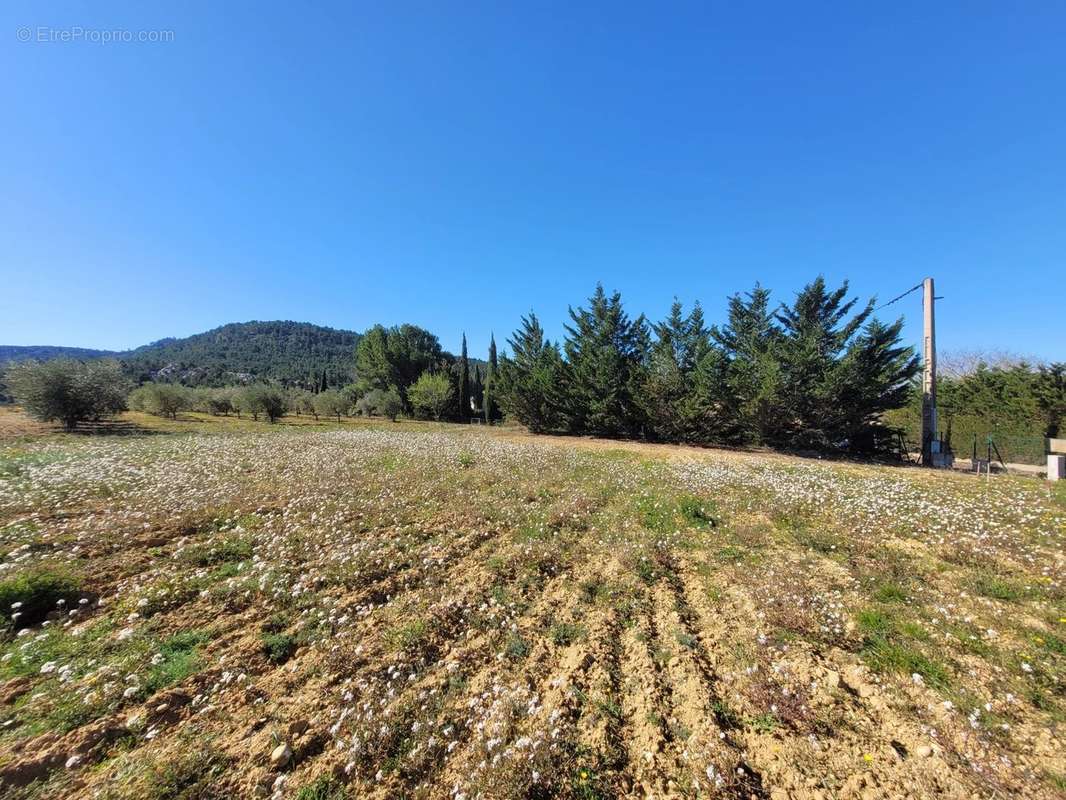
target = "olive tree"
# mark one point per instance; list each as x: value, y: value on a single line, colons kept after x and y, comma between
x: 380, y: 403
x: 162, y: 399
x: 259, y: 399
x: 68, y: 391
x: 331, y: 403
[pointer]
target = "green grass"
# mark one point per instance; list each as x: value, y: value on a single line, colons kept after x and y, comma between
x: 39, y: 590
x: 194, y: 775
x: 325, y: 787
x: 409, y: 635
x: 890, y: 593
x: 230, y: 549
x: 997, y: 588
x: 1056, y: 780
x: 888, y: 646
x: 180, y: 654
x: 697, y: 512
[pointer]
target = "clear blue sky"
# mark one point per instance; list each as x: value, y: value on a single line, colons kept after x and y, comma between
x: 458, y: 164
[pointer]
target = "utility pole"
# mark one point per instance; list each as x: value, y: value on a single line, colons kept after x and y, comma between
x: 930, y: 446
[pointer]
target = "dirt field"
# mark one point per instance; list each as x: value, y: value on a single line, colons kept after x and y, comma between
x: 214, y: 609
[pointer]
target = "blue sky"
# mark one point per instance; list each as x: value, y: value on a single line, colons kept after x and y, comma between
x: 458, y: 164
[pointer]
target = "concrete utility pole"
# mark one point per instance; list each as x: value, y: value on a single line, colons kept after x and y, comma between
x: 930, y: 447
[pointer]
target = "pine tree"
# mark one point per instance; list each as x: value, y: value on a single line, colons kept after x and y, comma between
x: 373, y: 367
x: 529, y: 385
x: 606, y: 354
x: 464, y: 383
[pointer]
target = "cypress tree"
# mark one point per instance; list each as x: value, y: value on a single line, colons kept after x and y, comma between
x: 490, y: 405
x: 816, y: 334
x: 669, y: 394
x: 464, y: 383
x: 606, y: 354
x: 529, y: 384
x: 477, y: 389
x: 874, y: 376
x: 749, y: 343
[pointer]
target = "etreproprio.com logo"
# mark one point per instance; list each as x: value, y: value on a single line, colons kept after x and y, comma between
x: 77, y: 33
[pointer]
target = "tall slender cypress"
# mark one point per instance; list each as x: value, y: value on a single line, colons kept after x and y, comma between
x: 464, y: 383
x: 490, y: 405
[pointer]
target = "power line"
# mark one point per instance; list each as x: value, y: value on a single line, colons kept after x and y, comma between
x: 899, y: 297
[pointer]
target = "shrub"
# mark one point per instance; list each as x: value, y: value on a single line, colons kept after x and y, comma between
x: 278, y: 647
x: 303, y: 402
x: 564, y: 633
x: 219, y: 401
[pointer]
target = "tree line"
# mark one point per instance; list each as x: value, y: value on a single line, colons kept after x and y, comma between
x: 1015, y: 403
x: 817, y: 373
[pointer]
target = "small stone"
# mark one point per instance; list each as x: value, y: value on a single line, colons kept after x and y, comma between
x: 923, y: 750
x: 281, y: 755
x: 832, y: 679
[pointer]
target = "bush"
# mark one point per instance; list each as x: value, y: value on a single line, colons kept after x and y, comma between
x: 278, y: 647
x: 39, y: 590
x: 68, y: 391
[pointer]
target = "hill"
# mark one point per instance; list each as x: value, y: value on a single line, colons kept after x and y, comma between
x: 46, y: 352
x: 291, y: 352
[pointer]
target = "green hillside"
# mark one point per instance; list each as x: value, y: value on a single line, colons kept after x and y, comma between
x: 290, y: 352
x: 9, y: 353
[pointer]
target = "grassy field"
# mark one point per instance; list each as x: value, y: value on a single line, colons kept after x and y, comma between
x: 213, y: 608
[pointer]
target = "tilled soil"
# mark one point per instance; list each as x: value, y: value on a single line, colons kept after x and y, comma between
x: 458, y: 614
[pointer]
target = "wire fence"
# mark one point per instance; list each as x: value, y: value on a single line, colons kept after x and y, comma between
x: 1012, y: 449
